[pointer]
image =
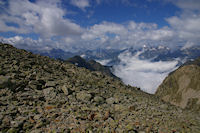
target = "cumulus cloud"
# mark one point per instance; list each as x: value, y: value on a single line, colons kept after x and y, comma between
x: 82, y: 4
x: 103, y: 30
x: 45, y: 18
x: 186, y: 26
x: 49, y: 21
x: 27, y: 43
x: 42, y: 44
x: 145, y: 74
x: 126, y: 35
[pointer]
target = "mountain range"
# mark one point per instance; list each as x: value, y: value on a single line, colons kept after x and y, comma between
x: 155, y: 53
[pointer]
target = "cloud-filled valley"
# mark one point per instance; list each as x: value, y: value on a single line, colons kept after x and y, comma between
x: 145, y: 74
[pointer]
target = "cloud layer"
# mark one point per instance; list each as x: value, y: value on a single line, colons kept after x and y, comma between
x: 145, y: 74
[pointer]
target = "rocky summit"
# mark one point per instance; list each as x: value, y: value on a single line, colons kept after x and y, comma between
x: 39, y: 94
x: 182, y: 87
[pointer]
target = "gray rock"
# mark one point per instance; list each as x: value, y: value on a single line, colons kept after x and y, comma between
x: 36, y: 131
x: 66, y: 90
x: 16, y: 123
x: 34, y: 84
x: 50, y: 84
x: 49, y: 93
x: 99, y: 100
x: 37, y: 117
x: 119, y: 107
x: 83, y: 96
x: 110, y: 100
x: 3, y: 81
x: 164, y: 106
x: 12, y: 130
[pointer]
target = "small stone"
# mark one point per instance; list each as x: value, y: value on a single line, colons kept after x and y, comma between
x: 49, y: 93
x: 99, y: 99
x: 107, y: 115
x: 66, y: 90
x: 37, y: 117
x: 7, y: 120
x: 110, y: 100
x: 12, y: 130
x: 164, y: 106
x: 36, y: 131
x: 35, y: 85
x: 119, y: 107
x: 132, y: 107
x: 16, y: 123
x: 50, y: 84
x: 4, y: 81
x: 83, y: 96
x: 40, y: 124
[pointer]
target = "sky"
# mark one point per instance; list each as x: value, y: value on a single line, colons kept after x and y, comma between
x: 89, y: 24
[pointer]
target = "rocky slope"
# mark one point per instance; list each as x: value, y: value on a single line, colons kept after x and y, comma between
x: 182, y: 87
x: 39, y: 94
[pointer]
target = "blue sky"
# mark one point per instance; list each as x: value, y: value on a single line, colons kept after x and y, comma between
x: 120, y: 12
x: 89, y: 24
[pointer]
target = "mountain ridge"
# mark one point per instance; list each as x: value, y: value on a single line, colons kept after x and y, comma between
x: 91, y: 65
x: 158, y: 53
x: 182, y: 86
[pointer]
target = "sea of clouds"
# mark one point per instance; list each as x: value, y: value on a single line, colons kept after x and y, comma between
x: 145, y: 74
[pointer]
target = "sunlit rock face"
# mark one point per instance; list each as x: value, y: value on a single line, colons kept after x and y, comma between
x: 182, y: 87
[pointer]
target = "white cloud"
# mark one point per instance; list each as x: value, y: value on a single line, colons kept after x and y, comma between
x: 186, y: 26
x: 102, y: 30
x: 187, y: 45
x: 26, y: 43
x: 82, y: 4
x: 104, y: 62
x: 142, y: 73
x: 45, y: 18
x: 187, y: 4
x: 125, y: 35
x: 48, y: 20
